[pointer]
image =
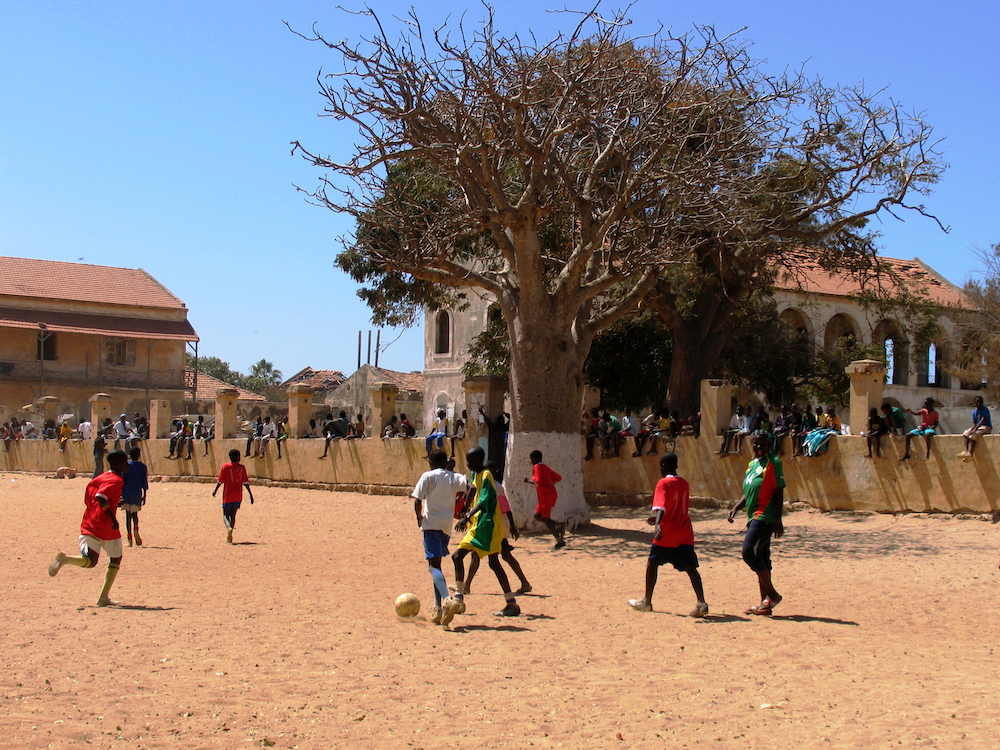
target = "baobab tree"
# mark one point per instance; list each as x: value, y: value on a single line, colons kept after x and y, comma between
x: 565, y: 178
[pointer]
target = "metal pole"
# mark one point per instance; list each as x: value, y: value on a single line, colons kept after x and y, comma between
x: 359, y: 350
x: 378, y: 344
x: 369, y: 359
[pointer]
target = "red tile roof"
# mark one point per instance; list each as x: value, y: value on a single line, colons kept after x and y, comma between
x: 80, y: 282
x: 122, y: 326
x: 914, y: 276
x: 405, y: 381
x: 208, y: 387
x: 321, y: 380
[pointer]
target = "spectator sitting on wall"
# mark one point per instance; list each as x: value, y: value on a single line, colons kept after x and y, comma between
x: 982, y: 424
x: 644, y: 433
x: 334, y: 429
x: 927, y: 429
x: 49, y: 430
x: 831, y: 421
x: 630, y: 426
x: 282, y: 434
x: 175, y: 434
x: 356, y: 430
x: 123, y: 433
x: 406, y: 428
x: 895, y: 420
x: 876, y: 429
x: 729, y: 436
x: 28, y: 431
x: 312, y: 431
x: 258, y: 429
x: 392, y: 429
x: 439, y: 431
x: 268, y: 432
x: 65, y: 433
x: 610, y: 442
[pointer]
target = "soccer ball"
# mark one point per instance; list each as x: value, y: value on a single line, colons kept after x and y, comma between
x: 407, y: 605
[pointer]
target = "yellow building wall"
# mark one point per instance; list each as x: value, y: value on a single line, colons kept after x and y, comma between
x: 841, y: 479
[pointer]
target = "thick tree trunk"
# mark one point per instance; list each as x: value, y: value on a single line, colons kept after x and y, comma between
x: 698, y: 342
x: 545, y: 392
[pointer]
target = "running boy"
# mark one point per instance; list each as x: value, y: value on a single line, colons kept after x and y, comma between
x: 673, y: 536
x: 510, y: 530
x: 485, y: 537
x: 233, y: 476
x: 545, y: 480
x: 99, y: 527
x: 434, y: 500
x: 134, y: 494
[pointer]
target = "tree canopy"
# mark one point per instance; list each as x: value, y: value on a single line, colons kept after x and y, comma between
x: 569, y: 178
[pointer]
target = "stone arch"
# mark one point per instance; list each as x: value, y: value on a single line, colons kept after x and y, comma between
x: 889, y: 333
x: 840, y: 326
x: 797, y: 321
x: 930, y: 364
x: 442, y: 333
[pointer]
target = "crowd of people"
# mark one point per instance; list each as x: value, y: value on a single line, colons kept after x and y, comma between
x: 609, y: 433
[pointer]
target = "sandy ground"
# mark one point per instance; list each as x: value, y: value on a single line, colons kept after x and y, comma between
x: 886, y: 636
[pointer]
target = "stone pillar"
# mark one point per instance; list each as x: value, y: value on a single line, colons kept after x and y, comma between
x: 485, y: 392
x: 48, y: 408
x: 300, y: 408
x: 100, y: 409
x: 716, y: 406
x: 383, y: 406
x: 867, y: 379
x: 225, y: 412
x: 159, y: 419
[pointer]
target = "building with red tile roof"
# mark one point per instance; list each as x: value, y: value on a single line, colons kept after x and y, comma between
x: 71, y: 330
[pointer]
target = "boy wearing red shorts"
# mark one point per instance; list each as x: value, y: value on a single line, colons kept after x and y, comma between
x: 545, y: 480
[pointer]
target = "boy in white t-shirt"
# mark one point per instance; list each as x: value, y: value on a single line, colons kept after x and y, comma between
x: 510, y: 530
x: 434, y: 500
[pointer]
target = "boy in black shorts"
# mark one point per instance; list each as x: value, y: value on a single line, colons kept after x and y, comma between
x: 673, y: 536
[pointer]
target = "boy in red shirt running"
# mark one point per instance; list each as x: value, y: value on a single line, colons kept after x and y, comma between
x: 673, y: 537
x: 545, y: 480
x: 233, y: 477
x: 99, y: 527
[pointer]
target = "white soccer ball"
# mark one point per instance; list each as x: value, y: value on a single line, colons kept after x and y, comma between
x: 407, y: 605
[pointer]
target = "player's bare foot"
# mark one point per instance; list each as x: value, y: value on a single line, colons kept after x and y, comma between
x: 57, y: 563
x: 138, y: 540
x: 229, y: 537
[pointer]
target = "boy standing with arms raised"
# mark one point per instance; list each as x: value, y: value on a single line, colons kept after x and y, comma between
x: 673, y: 536
x: 434, y: 500
x: 99, y: 527
x: 233, y: 477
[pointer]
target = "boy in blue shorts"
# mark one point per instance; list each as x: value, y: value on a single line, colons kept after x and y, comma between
x: 434, y: 500
x: 673, y: 536
x: 134, y: 494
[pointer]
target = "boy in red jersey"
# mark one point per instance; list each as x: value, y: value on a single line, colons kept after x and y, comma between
x: 673, y: 536
x: 233, y: 477
x: 545, y: 480
x: 99, y: 527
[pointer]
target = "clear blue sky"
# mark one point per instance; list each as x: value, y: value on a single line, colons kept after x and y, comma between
x: 156, y: 135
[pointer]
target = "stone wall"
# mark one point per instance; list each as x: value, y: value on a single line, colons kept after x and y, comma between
x: 841, y: 479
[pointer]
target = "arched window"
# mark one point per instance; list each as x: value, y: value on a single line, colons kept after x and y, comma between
x: 897, y: 351
x: 840, y: 326
x: 929, y: 366
x: 442, y: 340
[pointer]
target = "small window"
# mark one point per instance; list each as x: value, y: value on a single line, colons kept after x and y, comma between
x: 46, y: 346
x: 121, y: 352
x: 442, y: 344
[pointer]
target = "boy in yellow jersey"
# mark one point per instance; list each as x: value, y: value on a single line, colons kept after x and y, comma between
x: 484, y: 537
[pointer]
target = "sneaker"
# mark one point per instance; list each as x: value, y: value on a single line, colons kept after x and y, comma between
x: 451, y: 608
x: 436, y: 615
x: 700, y: 610
x: 138, y: 540
x: 964, y: 454
x: 511, y: 610
x: 57, y: 563
x: 525, y: 589
x: 640, y: 605
x: 560, y: 544
x: 129, y: 542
